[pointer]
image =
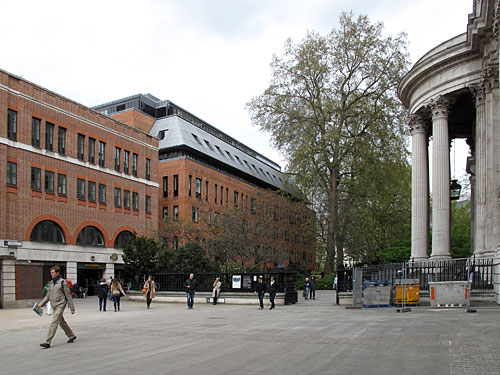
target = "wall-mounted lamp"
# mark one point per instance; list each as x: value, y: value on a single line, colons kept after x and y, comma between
x: 455, y: 189
x: 92, y: 258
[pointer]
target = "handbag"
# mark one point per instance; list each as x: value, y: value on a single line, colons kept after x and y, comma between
x: 144, y: 290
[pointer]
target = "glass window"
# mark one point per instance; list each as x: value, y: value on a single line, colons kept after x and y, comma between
x: 126, y: 198
x: 206, y: 191
x: 215, y: 193
x: 49, y: 182
x: 102, y: 193
x: 236, y: 199
x: 217, y: 218
x: 126, y: 157
x: 135, y: 201
x: 49, y: 136
x: 36, y: 178
x: 195, y: 212
x: 165, y: 186
x: 80, y: 188
x: 35, y: 132
x: 61, y: 140
x: 176, y: 185
x: 11, y: 173
x: 118, y: 197
x: 165, y: 213
x: 117, y: 158
x: 47, y: 231
x: 61, y: 184
x: 148, y: 169
x: 148, y: 204
x: 12, y: 125
x: 134, y: 164
x: 91, y: 150
x: 176, y: 213
x: 90, y: 236
x: 253, y: 206
x: 190, y: 178
x: 102, y: 153
x: 91, y: 191
x: 198, y: 188
x: 122, y: 238
x: 176, y: 243
x: 81, y: 147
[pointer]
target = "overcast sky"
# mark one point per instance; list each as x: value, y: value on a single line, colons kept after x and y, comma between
x: 208, y: 56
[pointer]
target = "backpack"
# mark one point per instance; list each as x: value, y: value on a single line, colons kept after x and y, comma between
x: 70, y: 286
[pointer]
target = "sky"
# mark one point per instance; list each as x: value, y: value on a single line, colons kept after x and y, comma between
x: 210, y: 57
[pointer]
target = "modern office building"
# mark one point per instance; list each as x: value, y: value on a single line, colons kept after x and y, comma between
x: 74, y: 184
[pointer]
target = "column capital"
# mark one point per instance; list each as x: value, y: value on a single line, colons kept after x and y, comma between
x: 417, y: 124
x: 439, y: 107
x: 489, y: 77
x: 478, y: 92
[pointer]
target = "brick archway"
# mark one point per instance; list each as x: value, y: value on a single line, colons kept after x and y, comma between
x: 67, y: 236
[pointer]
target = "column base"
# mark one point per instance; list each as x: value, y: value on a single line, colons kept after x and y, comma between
x: 484, y: 253
x: 440, y: 257
x: 419, y: 259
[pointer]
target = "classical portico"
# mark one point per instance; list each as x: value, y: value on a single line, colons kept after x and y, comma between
x: 452, y: 93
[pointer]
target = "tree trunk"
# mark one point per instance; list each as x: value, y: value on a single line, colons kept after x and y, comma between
x: 332, y: 222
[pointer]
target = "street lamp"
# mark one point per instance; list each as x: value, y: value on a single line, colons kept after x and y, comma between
x: 455, y: 189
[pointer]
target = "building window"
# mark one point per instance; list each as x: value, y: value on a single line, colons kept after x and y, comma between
x: 165, y: 213
x: 206, y: 191
x: 236, y: 199
x: 190, y: 178
x: 11, y: 173
x: 253, y: 206
x: 49, y: 182
x: 176, y: 243
x: 148, y: 204
x: 118, y: 197
x: 176, y: 185
x: 102, y: 193
x: 49, y: 136
x: 117, y: 158
x: 217, y: 218
x: 90, y: 236
x: 165, y: 186
x: 80, y: 188
x: 148, y: 169
x: 134, y: 164
x: 61, y: 184
x: 176, y: 213
x: 91, y: 191
x: 91, y: 150
x: 135, y: 201
x: 122, y: 238
x: 215, y: 193
x: 198, y: 188
x: 81, y: 147
x: 195, y: 212
x: 222, y: 194
x: 61, y: 141
x: 35, y: 132
x: 126, y: 160
x: 12, y: 125
x: 209, y: 217
x: 227, y: 196
x: 102, y: 153
x: 126, y: 198
x: 47, y: 231
x: 36, y: 177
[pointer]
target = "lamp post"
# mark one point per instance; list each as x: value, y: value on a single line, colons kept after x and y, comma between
x: 455, y: 189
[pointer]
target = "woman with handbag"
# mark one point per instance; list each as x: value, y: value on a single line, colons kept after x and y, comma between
x: 116, y: 292
x: 149, y: 289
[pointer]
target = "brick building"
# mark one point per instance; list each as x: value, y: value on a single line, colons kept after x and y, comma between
x: 75, y: 184
x: 204, y: 174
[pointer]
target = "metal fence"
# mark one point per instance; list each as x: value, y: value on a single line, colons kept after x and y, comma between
x: 475, y: 275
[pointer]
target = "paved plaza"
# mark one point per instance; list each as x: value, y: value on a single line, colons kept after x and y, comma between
x: 310, y: 337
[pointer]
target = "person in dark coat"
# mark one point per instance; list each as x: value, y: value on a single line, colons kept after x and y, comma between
x: 312, y: 289
x: 102, y: 293
x: 273, y: 289
x: 260, y: 289
x: 190, y: 286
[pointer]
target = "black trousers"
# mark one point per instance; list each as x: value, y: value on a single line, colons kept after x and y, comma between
x: 148, y: 299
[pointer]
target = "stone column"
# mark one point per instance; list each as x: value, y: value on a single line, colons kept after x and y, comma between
x: 8, y: 282
x: 71, y: 271
x: 419, y: 189
x: 479, y: 94
x: 440, y: 179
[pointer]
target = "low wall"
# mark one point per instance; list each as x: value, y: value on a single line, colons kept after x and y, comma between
x: 201, y: 297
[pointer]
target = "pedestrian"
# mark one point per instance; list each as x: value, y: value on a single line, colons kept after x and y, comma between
x: 216, y: 290
x: 190, y: 286
x: 312, y: 290
x: 102, y: 293
x: 260, y: 288
x: 59, y: 296
x: 109, y: 281
x: 44, y: 293
x: 273, y: 288
x: 307, y: 286
x: 335, y: 283
x: 116, y: 292
x: 150, y: 287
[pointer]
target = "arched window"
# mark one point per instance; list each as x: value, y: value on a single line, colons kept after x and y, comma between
x: 47, y: 231
x: 122, y: 238
x: 90, y: 236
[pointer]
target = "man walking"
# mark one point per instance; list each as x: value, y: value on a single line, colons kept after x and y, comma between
x: 273, y: 289
x: 312, y: 290
x: 260, y: 288
x: 190, y: 285
x: 59, y: 296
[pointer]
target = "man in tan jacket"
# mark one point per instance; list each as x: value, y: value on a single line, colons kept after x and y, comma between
x: 59, y: 296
